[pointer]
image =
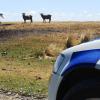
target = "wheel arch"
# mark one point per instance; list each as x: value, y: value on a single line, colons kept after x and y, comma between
x: 75, y: 76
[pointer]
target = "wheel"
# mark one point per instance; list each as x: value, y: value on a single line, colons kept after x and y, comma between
x: 86, y: 90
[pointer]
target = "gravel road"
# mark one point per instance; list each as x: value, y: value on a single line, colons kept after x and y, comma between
x: 16, y: 96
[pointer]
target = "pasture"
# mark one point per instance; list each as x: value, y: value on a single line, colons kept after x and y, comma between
x: 24, y: 67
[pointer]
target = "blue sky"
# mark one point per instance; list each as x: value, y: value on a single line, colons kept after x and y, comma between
x: 61, y: 10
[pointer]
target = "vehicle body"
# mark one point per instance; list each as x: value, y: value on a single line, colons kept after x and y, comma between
x: 76, y: 73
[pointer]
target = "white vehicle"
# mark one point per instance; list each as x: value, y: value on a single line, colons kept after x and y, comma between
x: 76, y: 73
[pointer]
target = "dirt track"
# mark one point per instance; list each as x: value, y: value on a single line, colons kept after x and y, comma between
x: 16, y: 96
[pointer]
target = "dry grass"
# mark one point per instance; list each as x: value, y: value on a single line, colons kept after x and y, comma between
x: 22, y: 69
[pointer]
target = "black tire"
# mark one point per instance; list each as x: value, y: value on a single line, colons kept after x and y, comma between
x: 86, y: 90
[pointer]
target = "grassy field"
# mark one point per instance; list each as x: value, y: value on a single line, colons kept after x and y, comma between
x: 23, y: 67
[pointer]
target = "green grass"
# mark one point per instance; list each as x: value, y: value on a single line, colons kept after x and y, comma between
x: 22, y: 69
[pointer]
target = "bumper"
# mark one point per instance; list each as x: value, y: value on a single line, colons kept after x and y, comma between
x: 53, y: 86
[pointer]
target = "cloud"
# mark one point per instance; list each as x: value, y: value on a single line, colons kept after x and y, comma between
x: 56, y: 16
x: 31, y: 12
x: 17, y: 16
x: 85, y: 12
x: 98, y: 14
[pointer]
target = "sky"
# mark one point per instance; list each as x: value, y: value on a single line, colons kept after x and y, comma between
x: 61, y: 10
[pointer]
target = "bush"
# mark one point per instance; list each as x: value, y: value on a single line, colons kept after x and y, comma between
x: 69, y: 42
x: 38, y: 53
x: 52, y: 50
x: 85, y: 38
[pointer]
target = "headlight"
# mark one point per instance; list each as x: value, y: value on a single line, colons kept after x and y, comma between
x: 58, y: 62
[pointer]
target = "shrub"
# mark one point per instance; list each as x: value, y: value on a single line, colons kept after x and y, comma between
x: 85, y: 38
x: 69, y: 42
x: 38, y: 53
x: 52, y: 50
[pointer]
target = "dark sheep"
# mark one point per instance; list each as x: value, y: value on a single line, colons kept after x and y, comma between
x: 44, y: 17
x: 27, y: 17
x: 1, y: 15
